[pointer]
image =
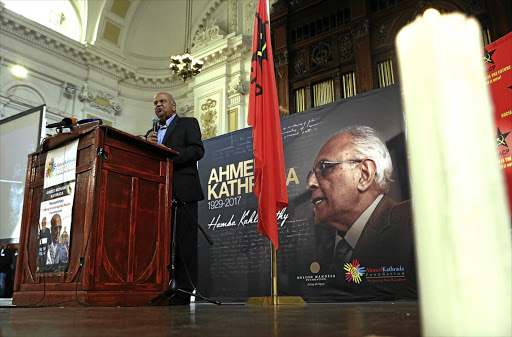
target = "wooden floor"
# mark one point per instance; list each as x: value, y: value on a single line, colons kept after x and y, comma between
x: 201, y: 319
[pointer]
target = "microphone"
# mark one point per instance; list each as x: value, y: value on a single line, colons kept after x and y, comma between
x: 156, y: 123
x: 88, y: 120
x: 68, y: 121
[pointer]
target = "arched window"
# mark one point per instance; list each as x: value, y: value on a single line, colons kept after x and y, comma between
x: 58, y: 15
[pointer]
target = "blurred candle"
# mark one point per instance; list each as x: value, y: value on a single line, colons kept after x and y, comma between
x: 462, y: 222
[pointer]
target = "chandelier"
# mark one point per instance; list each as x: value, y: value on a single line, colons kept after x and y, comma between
x: 185, y: 66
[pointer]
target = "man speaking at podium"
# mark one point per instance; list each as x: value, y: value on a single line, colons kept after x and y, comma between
x: 181, y: 134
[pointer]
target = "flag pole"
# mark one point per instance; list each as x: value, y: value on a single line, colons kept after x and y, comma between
x: 274, y: 275
x: 269, y: 168
x: 275, y: 300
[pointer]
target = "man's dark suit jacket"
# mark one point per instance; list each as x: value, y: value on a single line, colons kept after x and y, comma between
x: 387, y: 240
x: 184, y: 135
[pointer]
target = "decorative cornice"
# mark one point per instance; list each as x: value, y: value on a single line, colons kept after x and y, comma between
x: 205, y: 35
x: 227, y: 53
x: 360, y: 29
x: 345, y: 48
x: 19, y: 30
x: 281, y: 58
x: 234, y: 15
x: 184, y: 107
x: 208, y: 119
x: 237, y: 55
x: 382, y: 33
x: 250, y: 9
x: 230, y: 49
x: 237, y: 86
x: 206, y: 16
x: 217, y: 57
x: 321, y: 53
x: 105, y: 65
x: 83, y: 55
x: 101, y: 101
x: 299, y: 62
x: 151, y: 83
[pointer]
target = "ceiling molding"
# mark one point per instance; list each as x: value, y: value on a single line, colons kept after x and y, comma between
x: 207, y: 14
x: 84, y: 55
x: 216, y: 53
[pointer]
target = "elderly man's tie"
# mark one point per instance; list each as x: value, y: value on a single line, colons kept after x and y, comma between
x: 342, y: 254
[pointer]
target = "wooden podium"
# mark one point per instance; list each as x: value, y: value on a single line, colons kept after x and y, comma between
x: 120, y: 233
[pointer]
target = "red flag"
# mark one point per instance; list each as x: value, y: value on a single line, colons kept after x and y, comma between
x: 269, y: 173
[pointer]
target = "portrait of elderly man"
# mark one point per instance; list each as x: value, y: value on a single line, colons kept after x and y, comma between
x: 45, y: 239
x: 349, y: 183
x: 56, y: 251
x: 44, y: 232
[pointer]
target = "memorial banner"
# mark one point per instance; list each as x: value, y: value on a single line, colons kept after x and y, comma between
x: 237, y: 266
x: 498, y: 64
x: 56, y: 209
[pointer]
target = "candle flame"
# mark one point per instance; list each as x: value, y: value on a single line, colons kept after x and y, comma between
x: 431, y: 14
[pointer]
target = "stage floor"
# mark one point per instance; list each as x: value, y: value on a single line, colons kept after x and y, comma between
x: 200, y: 319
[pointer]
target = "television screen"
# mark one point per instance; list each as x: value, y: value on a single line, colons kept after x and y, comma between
x: 20, y: 135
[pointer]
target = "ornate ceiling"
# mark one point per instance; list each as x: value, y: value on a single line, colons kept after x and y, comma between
x: 144, y: 33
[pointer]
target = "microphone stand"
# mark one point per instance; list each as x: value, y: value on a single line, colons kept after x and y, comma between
x: 173, y: 288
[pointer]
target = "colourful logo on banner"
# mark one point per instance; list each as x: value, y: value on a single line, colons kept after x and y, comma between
x: 354, y: 271
x: 50, y: 168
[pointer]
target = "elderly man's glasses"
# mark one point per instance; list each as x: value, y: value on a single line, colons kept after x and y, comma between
x: 323, y: 165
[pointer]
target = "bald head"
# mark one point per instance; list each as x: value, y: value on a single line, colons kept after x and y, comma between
x: 165, y: 106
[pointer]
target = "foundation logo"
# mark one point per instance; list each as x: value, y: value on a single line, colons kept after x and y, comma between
x: 50, y: 168
x: 354, y: 271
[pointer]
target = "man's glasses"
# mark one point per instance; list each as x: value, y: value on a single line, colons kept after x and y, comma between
x: 323, y: 165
